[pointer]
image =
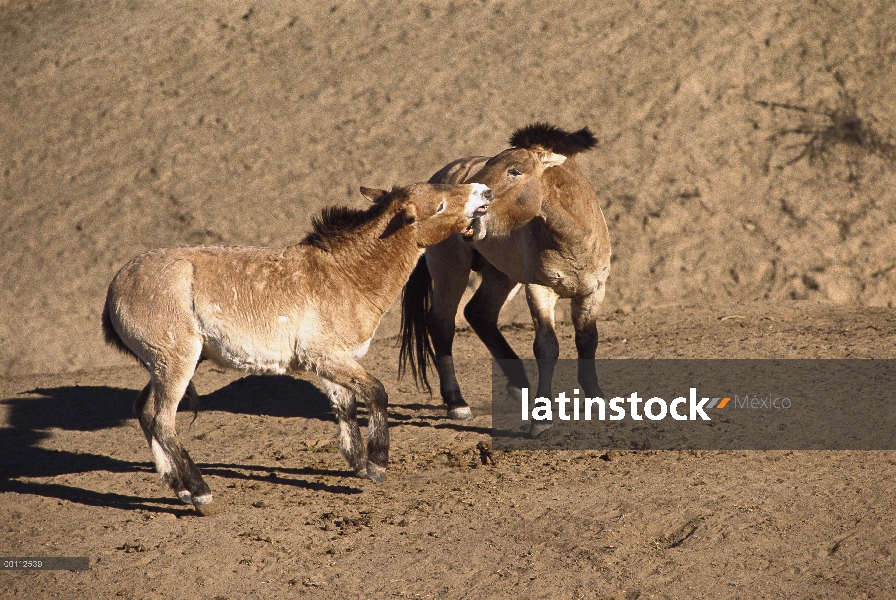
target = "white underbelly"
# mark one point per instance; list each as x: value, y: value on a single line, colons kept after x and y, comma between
x: 274, y: 356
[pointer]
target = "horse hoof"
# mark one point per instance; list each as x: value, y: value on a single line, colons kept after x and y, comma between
x: 376, y: 473
x: 537, y: 429
x: 205, y: 506
x: 185, y: 496
x: 460, y: 413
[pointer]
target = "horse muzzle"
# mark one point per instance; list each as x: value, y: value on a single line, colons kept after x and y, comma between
x: 476, y: 207
x: 477, y: 204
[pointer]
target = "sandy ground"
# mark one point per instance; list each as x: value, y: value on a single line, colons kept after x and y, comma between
x: 454, y: 518
x: 746, y: 170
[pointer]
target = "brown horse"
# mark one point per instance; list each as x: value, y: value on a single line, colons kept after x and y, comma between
x: 544, y: 230
x: 313, y: 306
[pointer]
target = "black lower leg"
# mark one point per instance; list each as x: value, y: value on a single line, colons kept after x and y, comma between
x: 586, y: 347
x: 546, y: 349
x: 442, y: 335
x: 482, y: 314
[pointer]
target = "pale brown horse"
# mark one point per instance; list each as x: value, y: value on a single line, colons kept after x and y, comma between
x: 544, y: 230
x: 313, y: 306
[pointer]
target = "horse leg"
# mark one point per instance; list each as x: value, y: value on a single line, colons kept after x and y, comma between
x: 139, y: 403
x: 157, y: 415
x: 351, y: 448
x: 546, y: 347
x: 168, y: 476
x: 584, y: 318
x: 449, y: 264
x: 355, y: 379
x: 482, y: 314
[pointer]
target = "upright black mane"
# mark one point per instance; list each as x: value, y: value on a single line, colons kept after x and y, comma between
x: 336, y: 224
x: 553, y: 138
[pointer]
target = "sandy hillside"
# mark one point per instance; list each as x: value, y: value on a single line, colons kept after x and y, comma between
x: 746, y: 166
x: 128, y: 126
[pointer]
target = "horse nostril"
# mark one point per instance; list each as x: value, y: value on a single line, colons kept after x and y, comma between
x: 488, y: 195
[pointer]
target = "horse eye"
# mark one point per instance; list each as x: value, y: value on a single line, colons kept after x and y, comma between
x: 514, y: 172
x: 441, y: 207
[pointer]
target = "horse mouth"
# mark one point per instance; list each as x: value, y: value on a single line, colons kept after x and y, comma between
x: 474, y: 227
x: 470, y: 231
x: 475, y: 231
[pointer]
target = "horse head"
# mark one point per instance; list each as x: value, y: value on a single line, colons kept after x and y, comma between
x: 434, y: 211
x: 515, y: 175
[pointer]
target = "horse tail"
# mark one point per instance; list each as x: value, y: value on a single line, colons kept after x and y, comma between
x: 111, y: 336
x: 193, y: 400
x: 416, y: 347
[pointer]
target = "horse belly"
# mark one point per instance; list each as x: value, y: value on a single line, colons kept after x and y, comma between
x: 256, y: 350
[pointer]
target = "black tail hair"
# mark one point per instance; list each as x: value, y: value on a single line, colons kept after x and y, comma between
x: 554, y: 139
x: 192, y: 400
x: 111, y: 336
x: 416, y: 347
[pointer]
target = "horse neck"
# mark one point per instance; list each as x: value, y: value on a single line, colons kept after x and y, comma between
x: 378, y: 266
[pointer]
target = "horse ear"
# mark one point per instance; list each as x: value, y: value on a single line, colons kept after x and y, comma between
x: 372, y: 194
x: 550, y: 159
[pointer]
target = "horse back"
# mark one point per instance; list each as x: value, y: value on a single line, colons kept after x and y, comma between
x: 460, y: 170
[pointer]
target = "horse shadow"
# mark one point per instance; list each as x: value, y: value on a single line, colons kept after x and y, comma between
x: 269, y: 396
x: 94, y: 408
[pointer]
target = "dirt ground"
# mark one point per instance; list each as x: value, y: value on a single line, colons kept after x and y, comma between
x: 746, y: 170
x: 453, y: 518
